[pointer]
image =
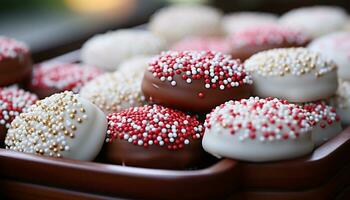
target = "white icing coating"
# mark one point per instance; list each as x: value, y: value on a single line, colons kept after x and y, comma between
x: 114, y: 92
x: 325, y: 121
x: 222, y: 144
x: 110, y: 49
x: 177, y: 22
x: 296, y: 88
x: 315, y: 20
x: 335, y: 46
x: 62, y: 125
x: 321, y: 135
x: 137, y: 65
x: 342, y: 101
x: 241, y: 20
x: 347, y: 25
x: 344, y: 113
x: 258, y: 130
x: 294, y: 74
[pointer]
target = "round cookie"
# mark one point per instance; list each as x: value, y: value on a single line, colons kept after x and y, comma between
x: 342, y: 102
x: 241, y: 20
x: 55, y: 77
x: 136, y: 65
x: 325, y: 121
x: 195, y: 81
x: 13, y: 101
x: 177, y: 22
x: 62, y: 125
x: 294, y: 74
x: 108, y: 50
x: 312, y: 19
x: 258, y: 130
x: 218, y: 44
x: 15, y: 62
x: 114, y: 92
x: 251, y: 40
x: 335, y: 46
x: 154, y: 136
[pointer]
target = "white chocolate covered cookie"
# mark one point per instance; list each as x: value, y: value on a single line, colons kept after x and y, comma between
x: 62, y: 125
x: 177, y: 22
x: 114, y: 92
x: 294, y: 74
x: 258, y: 130
x: 108, y: 50
x: 335, y: 46
x: 315, y: 20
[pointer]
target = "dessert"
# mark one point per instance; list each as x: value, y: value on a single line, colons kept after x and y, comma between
x: 195, y: 81
x: 241, y: 20
x: 177, y: 22
x: 294, y: 74
x: 114, y: 92
x: 203, y: 44
x: 13, y: 101
x: 248, y: 41
x: 108, y: 50
x: 335, y: 46
x: 315, y: 20
x: 325, y: 121
x: 342, y: 102
x: 62, y: 125
x: 154, y: 136
x: 258, y: 130
x: 15, y: 62
x: 50, y: 78
x: 136, y: 65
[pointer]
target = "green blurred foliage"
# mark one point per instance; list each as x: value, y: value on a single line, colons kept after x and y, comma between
x: 10, y: 5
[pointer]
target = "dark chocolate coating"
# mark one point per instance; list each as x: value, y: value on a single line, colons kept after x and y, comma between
x: 124, y: 153
x: 3, y: 132
x: 15, y: 70
x: 185, y: 97
x: 246, y: 51
x: 43, y: 92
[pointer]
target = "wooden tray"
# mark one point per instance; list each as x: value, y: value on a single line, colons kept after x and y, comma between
x: 325, y: 174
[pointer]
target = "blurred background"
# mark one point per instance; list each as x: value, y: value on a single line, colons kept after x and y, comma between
x: 53, y: 27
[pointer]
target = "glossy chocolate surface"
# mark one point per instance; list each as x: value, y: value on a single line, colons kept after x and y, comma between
x: 15, y: 70
x: 42, y: 92
x: 246, y: 51
x: 186, y: 96
x: 124, y: 153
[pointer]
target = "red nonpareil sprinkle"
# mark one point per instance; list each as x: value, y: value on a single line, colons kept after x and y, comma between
x: 215, y: 70
x: 10, y: 48
x: 154, y: 125
x: 268, y: 35
x: 63, y: 76
x: 263, y: 119
x: 201, y: 95
x: 14, y: 101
